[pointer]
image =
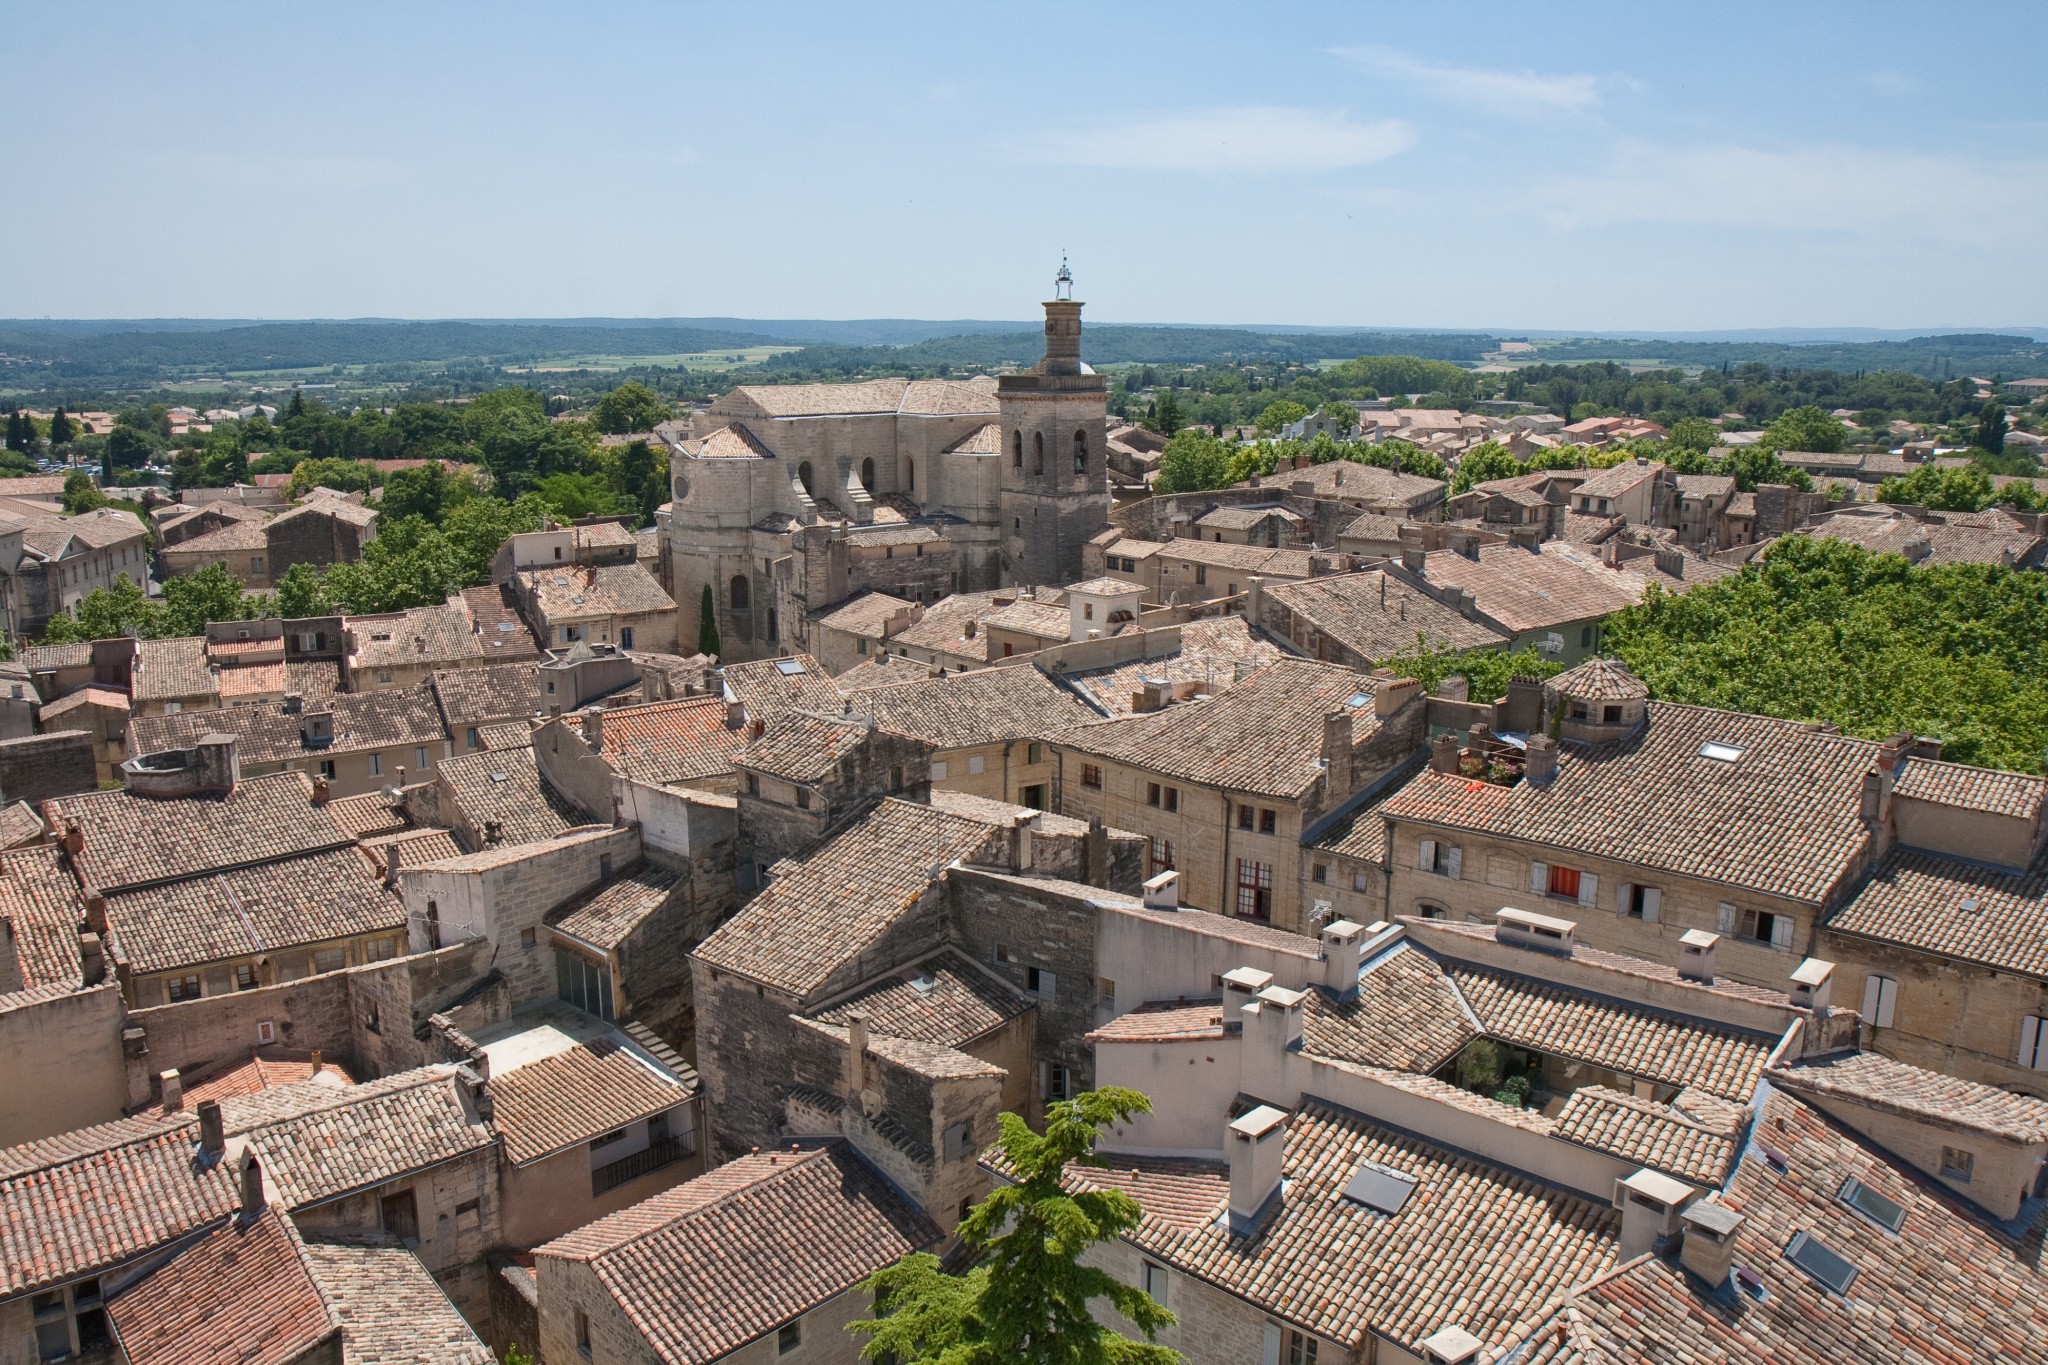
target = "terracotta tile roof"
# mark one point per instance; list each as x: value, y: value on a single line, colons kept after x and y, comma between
x: 318, y: 1141
x: 1648, y: 1134
x: 732, y: 442
x: 1357, y: 832
x: 1606, y: 1033
x: 986, y: 439
x: 1349, y: 481
x: 241, y: 1295
x: 703, y: 1268
x: 1442, y: 937
x: 506, y: 735
x: 235, y: 537
x: 1870, y: 1080
x: 824, y: 400
x: 48, y: 658
x: 1243, y: 518
x: 138, y: 841
x: 948, y: 1000
x: 1619, y: 479
x: 765, y: 688
x: 367, y: 815
x: 987, y: 706
x: 943, y: 629
x: 436, y: 636
x: 805, y: 926
x: 392, y: 1312
x: 1167, y: 1021
x: 1377, y: 615
x: 1803, y: 787
x: 577, y: 1094
x: 1706, y: 485
x: 254, y: 680
x: 947, y: 397
x: 880, y: 670
x: 478, y: 696
x: 894, y: 535
x: 1600, y: 680
x: 416, y: 848
x: 801, y: 747
x: 41, y: 909
x: 281, y: 1067
x: 1371, y: 526
x: 499, y: 625
x: 1250, y: 559
x: 1946, y: 1288
x: 1215, y: 652
x: 1031, y: 617
x: 1407, y: 1016
x: 580, y: 593
x: 668, y: 742
x: 173, y: 669
x: 1474, y: 1243
x: 94, y: 1199
x: 502, y: 787
x: 19, y: 825
x: 111, y: 698
x: 1527, y: 590
x: 251, y: 910
x: 2017, y: 795
x: 864, y: 613
x: 1265, y: 735
x: 606, y: 916
x: 314, y: 679
x: 267, y: 733
x: 1954, y: 908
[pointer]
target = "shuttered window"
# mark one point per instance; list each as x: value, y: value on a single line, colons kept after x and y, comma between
x: 1880, y: 997
x: 2033, y: 1042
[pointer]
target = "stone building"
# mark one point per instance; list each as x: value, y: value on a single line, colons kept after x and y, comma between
x: 790, y: 499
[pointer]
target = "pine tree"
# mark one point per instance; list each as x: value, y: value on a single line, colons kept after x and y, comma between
x: 13, y: 429
x: 1027, y: 1302
x: 62, y: 428
x: 707, y: 625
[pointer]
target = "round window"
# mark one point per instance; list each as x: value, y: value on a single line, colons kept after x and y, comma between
x: 682, y: 488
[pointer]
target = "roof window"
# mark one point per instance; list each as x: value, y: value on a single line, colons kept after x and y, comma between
x: 1826, y: 1267
x: 789, y: 668
x: 1358, y: 699
x: 1380, y: 1189
x: 1884, y: 1212
x: 1719, y: 752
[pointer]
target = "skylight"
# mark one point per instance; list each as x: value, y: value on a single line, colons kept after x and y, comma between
x: 1719, y: 752
x: 1872, y: 1205
x: 1358, y: 699
x: 1829, y: 1269
x: 789, y: 668
x: 1380, y: 1189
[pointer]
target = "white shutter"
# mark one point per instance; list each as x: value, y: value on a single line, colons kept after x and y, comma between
x: 1880, y: 995
x: 1621, y: 898
x: 1453, y: 862
x: 1539, y: 878
x: 1653, y: 904
x: 1781, y: 933
x: 1269, y: 1354
x: 1425, y: 855
x: 1589, y: 889
x: 2030, y: 1041
x: 1724, y: 918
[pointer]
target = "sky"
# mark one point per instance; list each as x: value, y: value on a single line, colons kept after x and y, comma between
x: 1583, y: 166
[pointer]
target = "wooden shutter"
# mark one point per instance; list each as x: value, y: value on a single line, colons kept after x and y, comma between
x: 1269, y: 1354
x: 2030, y: 1041
x: 1880, y: 996
x: 1454, y: 860
x: 1653, y: 904
x: 1425, y: 855
x: 1724, y: 918
x: 1781, y: 933
x: 1589, y: 889
x: 1539, y: 879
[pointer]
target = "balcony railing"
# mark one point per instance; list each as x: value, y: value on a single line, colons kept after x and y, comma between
x: 650, y: 1158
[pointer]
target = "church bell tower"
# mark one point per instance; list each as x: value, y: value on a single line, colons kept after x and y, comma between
x: 1055, y: 480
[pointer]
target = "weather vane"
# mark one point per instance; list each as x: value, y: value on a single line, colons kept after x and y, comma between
x: 1063, y: 283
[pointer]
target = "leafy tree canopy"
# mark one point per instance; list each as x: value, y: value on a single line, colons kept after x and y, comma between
x: 1484, y: 463
x: 1280, y: 414
x: 347, y: 476
x: 629, y: 407
x: 81, y: 494
x: 1193, y: 460
x: 1488, y: 670
x: 1806, y: 428
x: 1941, y: 489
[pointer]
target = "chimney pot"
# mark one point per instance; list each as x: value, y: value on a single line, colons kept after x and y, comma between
x: 1343, y: 954
x: 1696, y: 954
x: 1708, y: 1248
x: 252, y: 1186
x: 1162, y: 892
x: 1257, y: 1147
x: 174, y: 1090
x: 92, y: 959
x: 96, y: 912
x: 391, y: 863
x: 316, y: 1061
x: 321, y: 791
x: 212, y: 1136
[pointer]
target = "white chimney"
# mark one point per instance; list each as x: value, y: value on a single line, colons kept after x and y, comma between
x: 1451, y: 1345
x: 1240, y: 985
x: 174, y: 1090
x: 1272, y: 1029
x: 1696, y: 954
x: 1257, y: 1148
x: 1343, y: 953
x: 1650, y: 1203
x: 1527, y: 929
x: 1810, y: 982
x: 1163, y: 891
x: 1709, y: 1247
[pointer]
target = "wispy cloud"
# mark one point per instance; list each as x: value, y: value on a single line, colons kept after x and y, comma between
x: 1886, y: 197
x: 1252, y: 139
x: 1509, y: 92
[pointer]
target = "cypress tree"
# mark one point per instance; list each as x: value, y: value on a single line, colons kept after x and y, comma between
x: 707, y: 624
x: 62, y: 428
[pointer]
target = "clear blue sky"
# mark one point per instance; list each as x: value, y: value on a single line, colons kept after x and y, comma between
x: 1590, y: 166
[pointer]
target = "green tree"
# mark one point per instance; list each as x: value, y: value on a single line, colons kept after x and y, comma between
x: 81, y: 494
x: 346, y: 476
x: 300, y: 593
x: 194, y: 599
x: 629, y: 407
x: 1694, y: 433
x: 1990, y: 435
x: 428, y: 491
x: 1028, y: 1300
x: 130, y: 447
x: 1941, y: 489
x: 105, y: 613
x: 1280, y: 414
x: 1487, y: 670
x: 62, y: 428
x: 15, y: 439
x: 578, y: 495
x: 476, y: 528
x: 1168, y: 415
x: 1753, y: 465
x: 1806, y: 428
x: 707, y: 624
x: 1192, y: 461
x: 1483, y: 463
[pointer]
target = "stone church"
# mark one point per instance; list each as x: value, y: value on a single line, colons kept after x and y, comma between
x: 790, y: 498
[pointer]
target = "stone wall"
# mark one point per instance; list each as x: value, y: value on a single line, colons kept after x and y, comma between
x: 1012, y: 925
x: 38, y: 768
x: 60, y: 1063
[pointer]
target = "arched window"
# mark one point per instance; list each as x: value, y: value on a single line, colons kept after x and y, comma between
x: 742, y: 599
x: 910, y: 476
x: 803, y: 476
x: 1080, y: 452
x: 867, y: 475
x: 1038, y: 452
x: 1017, y: 449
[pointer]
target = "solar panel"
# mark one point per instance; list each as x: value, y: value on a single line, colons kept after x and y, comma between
x: 1831, y: 1270
x: 1872, y: 1205
x: 1379, y: 1189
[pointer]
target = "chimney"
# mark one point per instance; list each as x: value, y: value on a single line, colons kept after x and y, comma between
x: 92, y: 959
x: 316, y: 1061
x: 856, y: 1056
x: 1451, y: 1345
x: 74, y: 838
x: 1255, y: 598
x: 174, y: 1090
x: 391, y: 863
x: 1393, y: 694
x: 1163, y: 891
x: 1650, y: 1203
x: 1256, y: 1145
x: 321, y: 791
x: 212, y: 1136
x: 1095, y: 853
x: 1708, y: 1250
x: 1540, y: 764
x: 735, y: 714
x: 1523, y: 714
x: 1343, y: 954
x: 252, y: 1186
x: 1696, y: 955
x: 1240, y: 985
x: 1336, y: 756
x: 1443, y: 754
x: 593, y: 729
x: 1412, y: 559
x: 96, y: 912
x: 294, y: 703
x: 1671, y: 562
x: 1810, y: 984
x: 1272, y: 1029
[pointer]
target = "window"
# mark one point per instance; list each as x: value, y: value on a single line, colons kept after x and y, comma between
x: 1080, y: 452
x: 976, y: 764
x: 1091, y: 776
x: 803, y: 798
x: 1034, y: 753
x: 896, y: 777
x: 790, y: 1337
x: 528, y: 937
x: 2033, y: 1042
x: 1088, y: 611
x: 433, y: 925
x: 583, y: 982
x: 1201, y: 575
x: 753, y: 785
x: 1564, y: 881
x: 867, y: 475
x: 401, y: 1216
x: 185, y: 987
x: 1824, y: 1265
x: 1038, y: 452
x: 1957, y: 1163
x: 1358, y: 880
x: 1173, y: 798
x: 1016, y: 450
x: 383, y: 675
x: 939, y: 770
x: 419, y: 758
x: 1008, y: 649
x: 1161, y: 856
x: 380, y: 950
x: 1758, y: 926
x: 1151, y: 793
x: 1155, y: 1283
x: 376, y: 765
x: 1586, y: 638
x: 1268, y: 821
x: 607, y: 1139
x: 327, y: 768
x: 1055, y: 1082
x: 742, y: 598
x: 1105, y: 992
x: 1244, y: 817
x: 1320, y: 872
x: 245, y: 976
x: 1645, y: 903
x: 1301, y: 1349
x: 1040, y: 982
x: 1886, y: 1213
x: 583, y: 1331
x: 1001, y: 952
x: 1880, y: 998
x: 1254, y: 889
x: 1445, y: 860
